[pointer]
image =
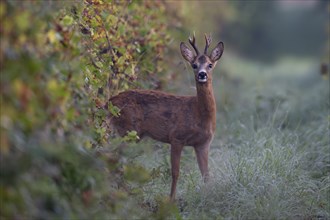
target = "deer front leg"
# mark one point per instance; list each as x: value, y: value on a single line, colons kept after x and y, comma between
x: 202, y: 154
x: 175, y: 166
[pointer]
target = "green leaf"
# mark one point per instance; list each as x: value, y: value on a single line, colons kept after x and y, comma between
x: 121, y: 61
x: 131, y: 136
x: 67, y: 20
x: 99, y: 64
x: 112, y: 19
x: 114, y: 110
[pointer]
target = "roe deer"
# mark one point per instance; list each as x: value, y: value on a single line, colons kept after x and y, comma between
x: 177, y: 120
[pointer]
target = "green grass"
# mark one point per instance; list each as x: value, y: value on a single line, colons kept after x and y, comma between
x: 267, y: 175
x: 270, y: 158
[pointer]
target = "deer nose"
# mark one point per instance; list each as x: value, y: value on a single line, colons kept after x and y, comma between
x: 202, y: 76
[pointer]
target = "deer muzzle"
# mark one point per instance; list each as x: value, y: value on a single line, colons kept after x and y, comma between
x: 202, y: 77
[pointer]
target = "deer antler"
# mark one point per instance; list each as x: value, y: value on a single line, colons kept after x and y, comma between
x: 208, y: 40
x: 192, y: 43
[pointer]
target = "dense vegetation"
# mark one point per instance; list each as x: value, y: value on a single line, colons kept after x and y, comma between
x: 61, y: 60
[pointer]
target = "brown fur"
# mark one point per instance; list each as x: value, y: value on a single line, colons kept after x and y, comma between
x: 177, y: 120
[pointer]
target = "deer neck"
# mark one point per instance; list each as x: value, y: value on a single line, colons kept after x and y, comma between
x: 206, y: 104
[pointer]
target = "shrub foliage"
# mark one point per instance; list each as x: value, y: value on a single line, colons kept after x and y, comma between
x: 60, y: 62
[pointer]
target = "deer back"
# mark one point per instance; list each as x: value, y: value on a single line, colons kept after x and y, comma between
x: 161, y: 116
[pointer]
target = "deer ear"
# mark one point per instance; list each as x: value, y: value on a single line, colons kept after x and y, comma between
x: 217, y: 52
x: 186, y: 53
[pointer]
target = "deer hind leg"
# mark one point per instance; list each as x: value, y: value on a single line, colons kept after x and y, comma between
x: 175, y: 166
x: 202, y: 154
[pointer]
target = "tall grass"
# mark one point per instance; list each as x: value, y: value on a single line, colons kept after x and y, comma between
x: 269, y: 175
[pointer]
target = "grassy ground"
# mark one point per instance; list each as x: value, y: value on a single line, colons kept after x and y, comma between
x: 270, y: 158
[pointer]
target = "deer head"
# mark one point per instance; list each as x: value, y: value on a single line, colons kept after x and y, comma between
x: 202, y: 64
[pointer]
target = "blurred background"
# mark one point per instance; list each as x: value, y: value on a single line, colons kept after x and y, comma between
x: 263, y: 30
x: 60, y: 62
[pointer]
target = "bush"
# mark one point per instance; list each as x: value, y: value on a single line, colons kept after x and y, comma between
x: 60, y: 62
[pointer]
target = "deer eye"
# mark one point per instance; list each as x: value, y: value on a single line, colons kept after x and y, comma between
x: 194, y: 66
x: 210, y: 65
